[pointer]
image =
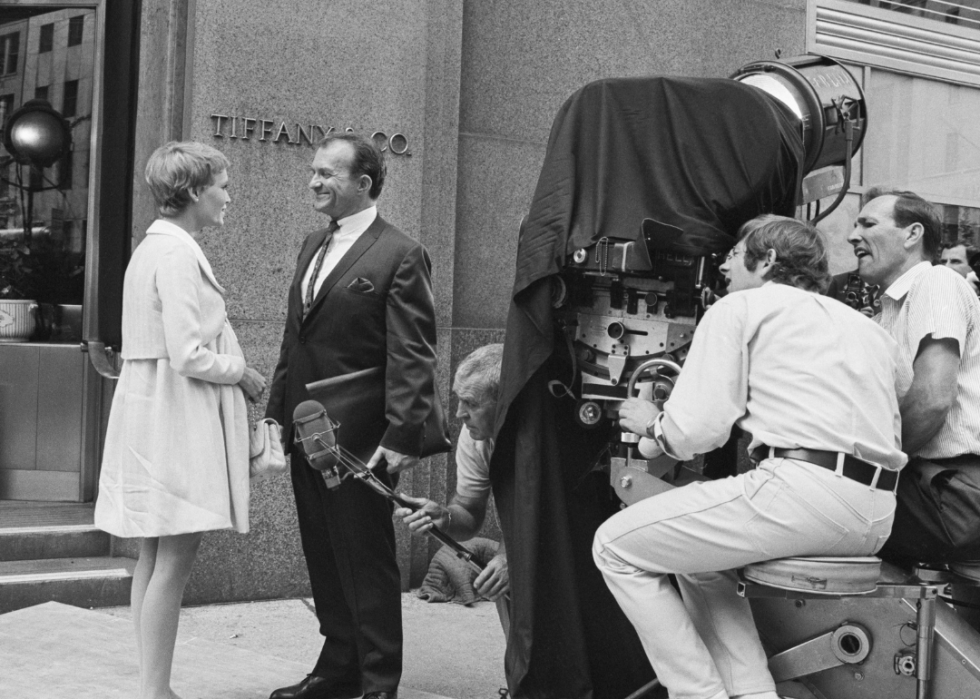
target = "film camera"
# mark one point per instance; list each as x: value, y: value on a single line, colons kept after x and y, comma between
x: 663, y: 172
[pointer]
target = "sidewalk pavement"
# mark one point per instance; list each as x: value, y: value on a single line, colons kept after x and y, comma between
x: 238, y: 651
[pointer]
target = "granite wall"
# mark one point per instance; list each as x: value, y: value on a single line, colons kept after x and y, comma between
x: 473, y: 87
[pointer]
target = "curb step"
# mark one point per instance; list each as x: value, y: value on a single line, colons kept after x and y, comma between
x: 100, y: 581
x: 52, y: 541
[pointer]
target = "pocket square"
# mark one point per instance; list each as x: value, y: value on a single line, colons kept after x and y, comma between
x: 362, y: 285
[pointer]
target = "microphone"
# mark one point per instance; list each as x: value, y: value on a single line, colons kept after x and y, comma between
x: 315, y: 436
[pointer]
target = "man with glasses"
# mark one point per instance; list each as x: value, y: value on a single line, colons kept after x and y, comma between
x: 786, y: 364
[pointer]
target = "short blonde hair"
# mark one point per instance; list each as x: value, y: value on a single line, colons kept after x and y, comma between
x: 178, y: 167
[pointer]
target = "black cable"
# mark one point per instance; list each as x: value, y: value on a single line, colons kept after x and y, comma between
x: 645, y: 689
x: 959, y: 603
x: 848, y: 156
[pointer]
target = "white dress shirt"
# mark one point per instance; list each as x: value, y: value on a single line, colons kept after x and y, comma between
x: 933, y: 300
x: 350, y: 230
x: 793, y: 368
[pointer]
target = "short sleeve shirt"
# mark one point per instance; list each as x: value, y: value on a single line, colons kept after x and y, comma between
x: 934, y: 301
x: 473, y: 466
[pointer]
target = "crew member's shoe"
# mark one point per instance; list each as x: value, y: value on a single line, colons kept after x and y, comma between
x: 314, y: 687
x: 381, y: 695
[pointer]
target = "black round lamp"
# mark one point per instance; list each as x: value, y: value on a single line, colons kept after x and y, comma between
x: 822, y: 94
x: 36, y: 134
x: 832, y: 111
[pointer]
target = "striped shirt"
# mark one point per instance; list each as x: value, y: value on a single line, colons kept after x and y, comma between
x: 936, y: 301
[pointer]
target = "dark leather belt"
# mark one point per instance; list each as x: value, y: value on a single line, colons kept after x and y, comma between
x: 855, y: 469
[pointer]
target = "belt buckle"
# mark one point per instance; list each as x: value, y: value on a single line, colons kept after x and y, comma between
x: 839, y: 470
x: 874, y: 478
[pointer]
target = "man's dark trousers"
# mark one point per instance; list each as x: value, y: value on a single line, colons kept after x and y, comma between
x: 937, y: 518
x: 349, y: 544
x: 373, y: 309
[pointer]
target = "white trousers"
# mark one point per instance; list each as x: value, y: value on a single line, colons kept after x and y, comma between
x: 703, y: 644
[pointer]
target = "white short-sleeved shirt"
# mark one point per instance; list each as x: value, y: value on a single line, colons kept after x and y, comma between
x: 933, y: 300
x: 473, y: 466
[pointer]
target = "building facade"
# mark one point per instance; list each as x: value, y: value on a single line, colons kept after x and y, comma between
x: 461, y: 93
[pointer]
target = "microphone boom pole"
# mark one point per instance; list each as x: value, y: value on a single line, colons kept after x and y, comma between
x: 312, y: 423
x: 364, y: 475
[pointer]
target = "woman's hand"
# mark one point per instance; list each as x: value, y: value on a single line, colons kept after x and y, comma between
x: 253, y: 383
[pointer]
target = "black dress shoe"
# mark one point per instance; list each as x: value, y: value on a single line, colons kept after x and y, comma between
x: 381, y: 695
x: 314, y: 687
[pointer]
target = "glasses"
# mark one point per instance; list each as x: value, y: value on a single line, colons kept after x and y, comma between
x: 732, y: 254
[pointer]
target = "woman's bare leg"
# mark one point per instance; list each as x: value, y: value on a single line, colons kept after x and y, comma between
x: 160, y: 612
x: 141, y: 578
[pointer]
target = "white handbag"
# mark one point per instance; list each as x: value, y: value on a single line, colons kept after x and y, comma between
x: 266, y: 457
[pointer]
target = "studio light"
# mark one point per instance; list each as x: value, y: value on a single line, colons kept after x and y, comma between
x: 825, y: 97
x: 36, y: 134
x: 833, y: 119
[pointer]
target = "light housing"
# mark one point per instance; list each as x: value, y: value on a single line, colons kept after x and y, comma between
x: 36, y: 134
x: 822, y: 93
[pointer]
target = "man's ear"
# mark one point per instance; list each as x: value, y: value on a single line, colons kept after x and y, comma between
x: 913, y: 235
x: 364, y: 183
x: 770, y: 258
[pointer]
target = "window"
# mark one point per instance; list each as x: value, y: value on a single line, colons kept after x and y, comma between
x: 9, y: 50
x: 960, y: 223
x: 924, y: 135
x: 75, y: 27
x: 69, y: 105
x: 46, y: 40
x: 41, y: 92
x: 66, y: 170
x: 6, y: 105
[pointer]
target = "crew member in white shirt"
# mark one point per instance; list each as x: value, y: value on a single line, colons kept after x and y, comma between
x: 935, y: 317
x: 814, y: 383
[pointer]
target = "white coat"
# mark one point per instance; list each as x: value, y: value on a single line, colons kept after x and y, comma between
x: 176, y: 452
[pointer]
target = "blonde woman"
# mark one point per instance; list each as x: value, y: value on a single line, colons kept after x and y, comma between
x: 176, y: 455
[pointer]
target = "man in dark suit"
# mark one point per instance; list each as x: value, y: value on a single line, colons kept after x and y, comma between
x: 360, y: 298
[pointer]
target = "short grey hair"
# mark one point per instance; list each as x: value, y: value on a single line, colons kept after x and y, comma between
x: 176, y: 168
x: 478, y: 376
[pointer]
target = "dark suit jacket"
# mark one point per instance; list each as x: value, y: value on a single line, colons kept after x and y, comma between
x: 350, y: 328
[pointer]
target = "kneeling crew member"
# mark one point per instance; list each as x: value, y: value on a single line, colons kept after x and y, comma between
x: 476, y: 384
x: 934, y: 315
x: 814, y: 383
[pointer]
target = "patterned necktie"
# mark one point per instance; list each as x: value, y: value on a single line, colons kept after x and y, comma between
x: 311, y: 286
